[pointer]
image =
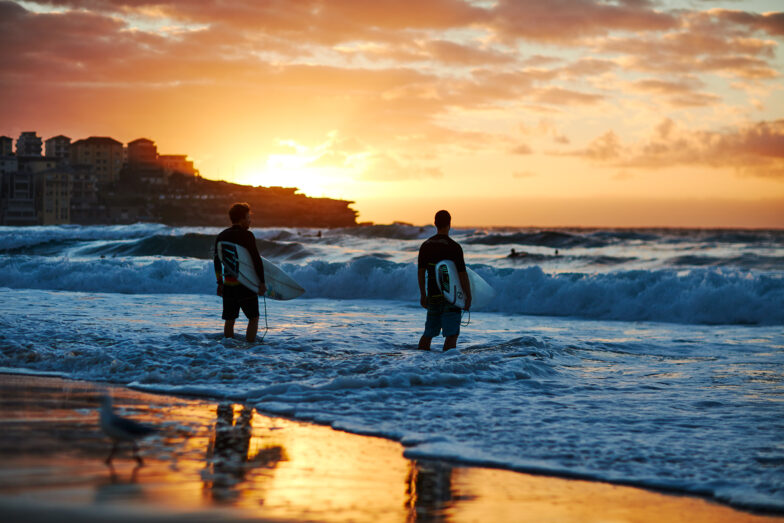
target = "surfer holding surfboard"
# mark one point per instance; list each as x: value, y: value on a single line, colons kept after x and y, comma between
x: 442, y: 315
x: 233, y: 284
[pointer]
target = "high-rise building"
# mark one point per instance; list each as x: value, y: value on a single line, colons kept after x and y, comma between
x: 6, y: 146
x: 104, y: 155
x: 59, y: 147
x: 142, y: 151
x: 28, y: 144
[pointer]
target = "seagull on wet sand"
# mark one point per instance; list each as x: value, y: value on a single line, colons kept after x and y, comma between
x: 122, y: 429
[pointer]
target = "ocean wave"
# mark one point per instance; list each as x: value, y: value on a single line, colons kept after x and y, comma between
x: 395, y: 231
x: 702, y: 295
x: 24, y: 239
x: 181, y: 245
x: 558, y: 239
x: 528, y: 258
x: 746, y: 261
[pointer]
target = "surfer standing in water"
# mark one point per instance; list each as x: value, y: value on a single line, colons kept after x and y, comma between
x: 235, y: 295
x: 441, y: 315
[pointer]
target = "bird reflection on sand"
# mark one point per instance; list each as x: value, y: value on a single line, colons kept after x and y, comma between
x: 122, y: 429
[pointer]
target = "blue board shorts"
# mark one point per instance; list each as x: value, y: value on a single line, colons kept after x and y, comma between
x: 442, y: 316
x: 236, y: 297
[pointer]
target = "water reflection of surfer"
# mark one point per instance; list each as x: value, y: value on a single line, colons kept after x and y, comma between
x: 229, y: 455
x: 428, y: 490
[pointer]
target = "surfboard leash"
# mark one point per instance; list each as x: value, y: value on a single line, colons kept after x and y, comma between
x: 468, y: 322
x: 266, y: 324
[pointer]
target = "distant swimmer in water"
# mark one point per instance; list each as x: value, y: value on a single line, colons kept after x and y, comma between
x: 515, y: 254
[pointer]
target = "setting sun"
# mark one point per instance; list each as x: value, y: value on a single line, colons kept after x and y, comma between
x: 673, y: 105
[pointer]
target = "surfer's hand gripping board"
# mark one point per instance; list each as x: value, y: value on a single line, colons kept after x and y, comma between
x: 448, y: 281
x: 237, y: 263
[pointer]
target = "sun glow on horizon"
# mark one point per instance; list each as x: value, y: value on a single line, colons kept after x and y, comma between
x: 494, y: 104
x: 295, y: 170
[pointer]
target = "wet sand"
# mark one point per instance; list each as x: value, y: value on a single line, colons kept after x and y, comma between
x: 224, y: 462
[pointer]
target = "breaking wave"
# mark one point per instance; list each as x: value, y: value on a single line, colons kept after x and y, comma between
x: 700, y: 295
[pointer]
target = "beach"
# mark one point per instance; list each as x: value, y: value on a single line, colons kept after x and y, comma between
x: 639, y: 358
x: 53, y: 456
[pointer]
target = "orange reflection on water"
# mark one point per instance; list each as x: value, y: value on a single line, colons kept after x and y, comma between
x: 230, y: 456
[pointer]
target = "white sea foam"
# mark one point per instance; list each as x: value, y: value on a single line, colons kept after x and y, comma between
x: 713, y: 296
x: 681, y: 390
x: 693, y: 408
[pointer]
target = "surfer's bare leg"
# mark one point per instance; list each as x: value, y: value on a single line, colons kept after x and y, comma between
x: 253, y: 328
x: 424, y: 343
x: 228, y: 329
x: 450, y: 342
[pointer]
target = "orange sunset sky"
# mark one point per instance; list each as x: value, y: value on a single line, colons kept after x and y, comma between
x: 507, y: 112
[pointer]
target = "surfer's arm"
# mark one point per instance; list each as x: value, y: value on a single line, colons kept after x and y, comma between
x: 218, y: 271
x: 422, y: 293
x: 466, y: 285
x: 462, y: 275
x: 256, y: 257
x: 216, y: 261
x: 257, y: 263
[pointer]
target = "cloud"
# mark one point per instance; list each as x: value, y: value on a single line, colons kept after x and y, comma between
x: 589, y: 67
x: 755, y: 149
x: 705, y: 41
x: 397, y: 75
x: 544, y: 127
x: 605, y: 148
x: 680, y: 93
x: 559, y: 96
x: 386, y: 167
x: 771, y: 23
x: 337, y: 151
x: 522, y: 149
x: 572, y: 20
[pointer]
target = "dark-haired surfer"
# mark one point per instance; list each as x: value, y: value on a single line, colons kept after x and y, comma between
x: 442, y: 316
x: 235, y: 295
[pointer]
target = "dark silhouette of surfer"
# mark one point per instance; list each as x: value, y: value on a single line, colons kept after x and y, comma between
x: 442, y: 316
x: 235, y: 295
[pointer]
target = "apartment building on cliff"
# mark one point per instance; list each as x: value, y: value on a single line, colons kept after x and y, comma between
x: 103, y: 155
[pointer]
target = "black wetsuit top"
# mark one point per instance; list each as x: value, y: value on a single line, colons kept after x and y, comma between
x: 237, y: 234
x: 437, y: 248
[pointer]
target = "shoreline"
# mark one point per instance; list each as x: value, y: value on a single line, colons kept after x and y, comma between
x: 219, y: 461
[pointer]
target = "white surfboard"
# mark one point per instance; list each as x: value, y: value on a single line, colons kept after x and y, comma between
x: 237, y: 263
x: 449, y: 283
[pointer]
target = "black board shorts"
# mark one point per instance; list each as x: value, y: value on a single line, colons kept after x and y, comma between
x: 442, y: 316
x: 236, y: 297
